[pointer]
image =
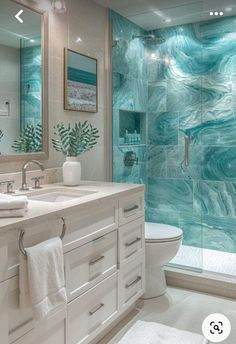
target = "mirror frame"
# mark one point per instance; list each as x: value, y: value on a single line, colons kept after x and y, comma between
x: 44, y: 155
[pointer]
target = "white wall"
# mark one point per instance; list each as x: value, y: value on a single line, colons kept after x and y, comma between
x: 9, y: 91
x: 88, y: 20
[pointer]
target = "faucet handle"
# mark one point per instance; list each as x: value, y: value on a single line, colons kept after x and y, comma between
x: 37, y: 182
x: 9, y: 184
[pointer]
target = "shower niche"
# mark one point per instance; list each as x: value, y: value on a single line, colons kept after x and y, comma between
x: 132, y: 128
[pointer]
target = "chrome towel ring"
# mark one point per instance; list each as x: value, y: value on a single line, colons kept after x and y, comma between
x: 22, y: 233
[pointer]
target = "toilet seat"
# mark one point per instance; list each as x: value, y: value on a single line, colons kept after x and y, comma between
x: 159, y: 233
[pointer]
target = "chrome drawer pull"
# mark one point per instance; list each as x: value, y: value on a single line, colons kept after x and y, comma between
x: 133, y: 242
x: 133, y: 282
x: 127, y: 210
x: 93, y: 311
x: 92, y: 262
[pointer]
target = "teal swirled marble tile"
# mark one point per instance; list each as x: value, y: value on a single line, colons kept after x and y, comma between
x: 219, y: 233
x: 131, y: 95
x: 184, y: 94
x: 215, y: 198
x: 190, y: 124
x: 191, y: 225
x: 219, y: 127
x: 156, y: 161
x: 129, y: 174
x: 217, y: 92
x: 218, y: 163
x: 157, y: 97
x: 158, y: 216
x: 170, y: 194
x: 163, y: 128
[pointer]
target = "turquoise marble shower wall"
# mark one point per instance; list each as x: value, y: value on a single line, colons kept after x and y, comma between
x: 185, y: 86
x: 130, y: 94
x: 191, y: 91
x: 31, y: 83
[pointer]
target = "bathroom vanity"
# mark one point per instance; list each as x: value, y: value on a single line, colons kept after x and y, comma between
x: 103, y: 254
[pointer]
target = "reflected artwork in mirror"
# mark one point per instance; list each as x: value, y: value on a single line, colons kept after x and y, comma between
x: 80, y: 82
x: 22, y: 80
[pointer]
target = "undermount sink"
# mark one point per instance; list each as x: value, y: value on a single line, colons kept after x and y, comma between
x: 57, y: 195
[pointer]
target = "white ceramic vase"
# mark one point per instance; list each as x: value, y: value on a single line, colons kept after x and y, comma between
x: 71, y: 171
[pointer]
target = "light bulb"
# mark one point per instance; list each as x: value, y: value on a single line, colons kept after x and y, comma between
x: 221, y: 13
x: 211, y: 13
x: 216, y: 13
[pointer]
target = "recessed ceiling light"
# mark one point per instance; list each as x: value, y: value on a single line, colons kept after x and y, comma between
x: 168, y: 20
x: 221, y: 13
x: 228, y: 9
x: 211, y: 13
x: 78, y: 40
x: 216, y: 13
x: 32, y: 40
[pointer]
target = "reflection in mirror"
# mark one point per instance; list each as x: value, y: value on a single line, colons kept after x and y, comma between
x: 21, y: 80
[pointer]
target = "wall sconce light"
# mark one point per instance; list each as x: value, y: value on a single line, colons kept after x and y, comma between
x: 58, y: 6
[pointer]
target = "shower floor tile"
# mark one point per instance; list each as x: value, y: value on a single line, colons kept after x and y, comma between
x: 178, y: 308
x: 208, y: 260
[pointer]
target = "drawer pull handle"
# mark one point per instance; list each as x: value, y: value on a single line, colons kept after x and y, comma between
x: 128, y: 285
x: 92, y: 262
x: 93, y: 311
x: 133, y: 242
x: 99, y: 238
x: 127, y: 210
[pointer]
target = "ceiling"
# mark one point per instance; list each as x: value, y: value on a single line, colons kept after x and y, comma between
x: 153, y: 14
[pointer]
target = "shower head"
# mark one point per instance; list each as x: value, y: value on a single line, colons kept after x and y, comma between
x: 150, y: 38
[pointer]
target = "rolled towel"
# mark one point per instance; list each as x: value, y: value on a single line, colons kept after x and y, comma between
x: 13, y: 213
x: 8, y: 202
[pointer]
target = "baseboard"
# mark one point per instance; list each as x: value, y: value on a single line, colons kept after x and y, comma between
x: 201, y: 282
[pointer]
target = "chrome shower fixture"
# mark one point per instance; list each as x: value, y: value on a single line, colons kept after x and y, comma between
x: 149, y: 38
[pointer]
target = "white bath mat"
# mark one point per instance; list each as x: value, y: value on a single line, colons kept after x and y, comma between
x: 144, y: 332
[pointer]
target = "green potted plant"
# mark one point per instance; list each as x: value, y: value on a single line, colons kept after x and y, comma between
x: 73, y: 141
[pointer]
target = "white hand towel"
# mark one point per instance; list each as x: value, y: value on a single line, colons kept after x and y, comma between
x: 8, y: 202
x: 42, y: 281
x: 13, y: 213
x: 152, y: 333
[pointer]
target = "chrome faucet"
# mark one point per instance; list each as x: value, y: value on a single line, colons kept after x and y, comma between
x: 24, y: 186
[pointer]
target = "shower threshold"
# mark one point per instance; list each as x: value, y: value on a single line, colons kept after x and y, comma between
x: 206, y: 260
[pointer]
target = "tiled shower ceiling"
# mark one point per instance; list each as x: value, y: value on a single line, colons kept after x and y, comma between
x: 153, y: 14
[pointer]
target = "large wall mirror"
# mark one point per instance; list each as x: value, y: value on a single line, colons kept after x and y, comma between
x: 23, y: 82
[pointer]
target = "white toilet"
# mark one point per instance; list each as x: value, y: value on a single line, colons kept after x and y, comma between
x: 162, y: 244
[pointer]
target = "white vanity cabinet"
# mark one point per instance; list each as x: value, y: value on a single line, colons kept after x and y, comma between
x: 104, y: 270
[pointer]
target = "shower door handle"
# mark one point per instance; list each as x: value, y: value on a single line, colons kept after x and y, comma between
x: 186, y: 150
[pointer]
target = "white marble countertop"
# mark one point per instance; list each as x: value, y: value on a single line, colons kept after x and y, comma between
x: 42, y: 210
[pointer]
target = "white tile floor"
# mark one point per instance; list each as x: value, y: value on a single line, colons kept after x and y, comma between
x: 208, y: 260
x: 181, y: 309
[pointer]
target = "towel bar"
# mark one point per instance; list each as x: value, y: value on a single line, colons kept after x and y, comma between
x: 22, y: 233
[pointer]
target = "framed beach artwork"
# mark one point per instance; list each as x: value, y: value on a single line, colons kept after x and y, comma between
x: 80, y: 92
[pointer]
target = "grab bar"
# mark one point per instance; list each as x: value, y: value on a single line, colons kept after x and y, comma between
x: 186, y: 150
x: 22, y: 233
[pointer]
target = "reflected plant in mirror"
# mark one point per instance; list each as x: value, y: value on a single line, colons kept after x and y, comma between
x: 22, y: 80
x: 73, y: 141
x: 30, y: 140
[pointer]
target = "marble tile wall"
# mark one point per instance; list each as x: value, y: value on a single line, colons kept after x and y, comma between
x: 130, y: 92
x: 186, y: 86
x: 193, y: 72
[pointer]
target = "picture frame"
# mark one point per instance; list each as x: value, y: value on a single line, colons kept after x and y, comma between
x: 80, y: 82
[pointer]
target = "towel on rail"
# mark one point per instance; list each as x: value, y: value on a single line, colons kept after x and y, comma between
x: 42, y: 280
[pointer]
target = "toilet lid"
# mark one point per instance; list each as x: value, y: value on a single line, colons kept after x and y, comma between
x: 159, y: 232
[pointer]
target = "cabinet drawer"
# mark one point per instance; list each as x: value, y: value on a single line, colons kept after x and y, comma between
x: 85, y: 224
x: 90, y: 263
x: 132, y: 281
x: 131, y: 240
x: 131, y: 207
x: 91, y: 310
